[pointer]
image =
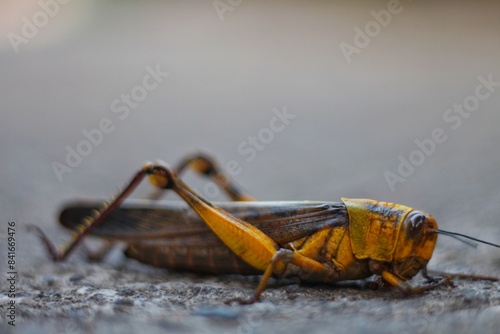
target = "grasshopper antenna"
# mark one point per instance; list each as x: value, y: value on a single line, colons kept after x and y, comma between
x: 461, y: 237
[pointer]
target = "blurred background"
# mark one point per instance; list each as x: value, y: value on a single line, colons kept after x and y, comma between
x: 360, y: 82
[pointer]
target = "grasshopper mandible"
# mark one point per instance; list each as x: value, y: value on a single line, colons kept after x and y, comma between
x: 315, y: 241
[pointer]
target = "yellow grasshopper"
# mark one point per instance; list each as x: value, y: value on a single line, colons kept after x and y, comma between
x: 315, y: 241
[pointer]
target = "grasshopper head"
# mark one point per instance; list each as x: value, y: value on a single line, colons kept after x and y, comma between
x: 398, y: 236
x: 415, y: 244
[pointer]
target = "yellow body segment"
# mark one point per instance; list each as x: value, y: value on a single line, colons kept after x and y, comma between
x: 332, y: 247
x: 374, y: 227
x: 311, y: 246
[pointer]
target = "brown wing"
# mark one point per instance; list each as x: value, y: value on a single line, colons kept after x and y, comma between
x: 140, y: 220
x: 170, y: 234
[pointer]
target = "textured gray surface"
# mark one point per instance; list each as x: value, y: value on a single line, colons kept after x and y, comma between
x: 352, y: 122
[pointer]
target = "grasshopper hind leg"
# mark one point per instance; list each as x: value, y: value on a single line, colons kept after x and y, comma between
x: 245, y: 240
x: 199, y: 162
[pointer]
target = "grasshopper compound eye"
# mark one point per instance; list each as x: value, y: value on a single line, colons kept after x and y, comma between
x: 414, y: 223
x: 417, y: 223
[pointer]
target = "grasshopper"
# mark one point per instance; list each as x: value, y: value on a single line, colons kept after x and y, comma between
x: 315, y: 241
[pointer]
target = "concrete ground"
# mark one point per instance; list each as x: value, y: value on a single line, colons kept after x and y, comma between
x: 404, y: 114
